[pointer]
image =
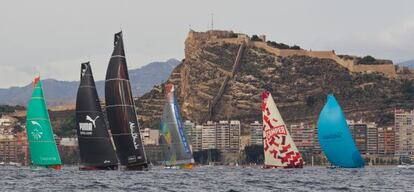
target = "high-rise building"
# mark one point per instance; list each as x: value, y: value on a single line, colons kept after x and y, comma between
x: 359, y: 133
x: 223, y: 136
x: 386, y: 141
x: 256, y: 133
x: 234, y: 137
x: 303, y: 136
x: 404, y: 132
x: 188, y: 128
x: 316, y: 145
x: 22, y: 148
x: 8, y: 148
x: 150, y: 136
x: 208, y: 135
x: 196, y: 138
x: 372, y: 138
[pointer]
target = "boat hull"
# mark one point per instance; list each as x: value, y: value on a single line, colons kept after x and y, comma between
x: 281, y: 167
x: 97, y: 168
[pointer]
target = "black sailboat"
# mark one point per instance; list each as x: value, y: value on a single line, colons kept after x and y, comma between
x: 96, y: 149
x: 121, y: 111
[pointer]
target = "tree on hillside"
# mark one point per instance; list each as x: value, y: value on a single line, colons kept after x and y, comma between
x: 367, y: 60
x: 255, y: 38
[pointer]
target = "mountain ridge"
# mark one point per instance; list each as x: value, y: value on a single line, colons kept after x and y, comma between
x: 64, y: 92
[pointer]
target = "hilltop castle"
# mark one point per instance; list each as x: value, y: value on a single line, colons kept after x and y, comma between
x: 386, y: 67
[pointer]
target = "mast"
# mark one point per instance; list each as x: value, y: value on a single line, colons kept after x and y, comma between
x: 42, y: 144
x: 279, y: 149
x: 95, y: 146
x: 121, y: 112
x: 175, y: 144
x: 335, y: 138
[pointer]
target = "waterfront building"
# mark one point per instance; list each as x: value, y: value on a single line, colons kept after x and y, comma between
x: 188, y: 129
x: 223, y: 136
x: 154, y: 154
x: 359, y: 133
x: 8, y: 148
x: 404, y: 132
x: 234, y: 137
x: 208, y: 134
x: 386, y: 141
x: 316, y: 145
x: 150, y: 136
x: 256, y: 133
x: 22, y: 144
x: 303, y: 136
x: 69, y: 141
x: 372, y: 138
x: 196, y: 138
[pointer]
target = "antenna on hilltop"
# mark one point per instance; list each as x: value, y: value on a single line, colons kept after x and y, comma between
x: 212, y: 21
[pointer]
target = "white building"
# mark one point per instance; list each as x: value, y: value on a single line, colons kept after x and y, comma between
x: 209, y: 135
x: 69, y: 141
x: 404, y: 134
x: 150, y: 136
x: 196, y: 138
x: 223, y: 136
x: 256, y: 133
x: 188, y: 128
x: 234, y: 145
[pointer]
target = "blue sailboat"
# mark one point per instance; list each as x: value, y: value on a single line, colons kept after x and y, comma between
x: 335, y: 138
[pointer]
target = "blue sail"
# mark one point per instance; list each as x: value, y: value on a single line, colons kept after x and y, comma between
x: 335, y: 138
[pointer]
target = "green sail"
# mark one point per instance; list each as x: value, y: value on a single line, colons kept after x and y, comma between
x: 42, y: 145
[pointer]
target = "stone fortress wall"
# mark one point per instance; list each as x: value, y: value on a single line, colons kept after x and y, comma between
x: 237, y: 38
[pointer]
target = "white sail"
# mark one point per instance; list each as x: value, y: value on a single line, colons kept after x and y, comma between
x: 279, y: 148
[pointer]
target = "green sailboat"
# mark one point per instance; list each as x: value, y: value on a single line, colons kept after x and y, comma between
x: 42, y: 145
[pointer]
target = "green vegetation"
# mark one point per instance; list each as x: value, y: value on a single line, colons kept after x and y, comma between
x: 68, y: 127
x: 10, y: 109
x: 255, y: 38
x: 310, y: 101
x: 367, y: 60
x: 408, y: 89
x: 250, y: 68
x: 282, y: 45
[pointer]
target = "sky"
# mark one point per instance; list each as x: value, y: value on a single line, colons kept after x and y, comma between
x: 51, y: 38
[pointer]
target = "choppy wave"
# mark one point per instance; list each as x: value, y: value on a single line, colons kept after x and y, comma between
x: 209, y: 178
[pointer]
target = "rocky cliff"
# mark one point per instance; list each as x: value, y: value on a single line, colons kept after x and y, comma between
x: 212, y: 84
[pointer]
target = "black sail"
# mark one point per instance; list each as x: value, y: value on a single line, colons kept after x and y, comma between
x: 96, y: 149
x: 121, y: 111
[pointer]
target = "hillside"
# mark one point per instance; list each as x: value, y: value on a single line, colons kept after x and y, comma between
x: 212, y: 84
x: 64, y: 92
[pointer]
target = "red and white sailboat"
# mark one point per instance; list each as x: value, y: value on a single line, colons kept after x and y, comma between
x: 279, y: 149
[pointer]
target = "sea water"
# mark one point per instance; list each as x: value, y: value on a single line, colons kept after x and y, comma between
x: 209, y: 178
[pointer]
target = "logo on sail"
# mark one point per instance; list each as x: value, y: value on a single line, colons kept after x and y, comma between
x: 87, y: 128
x: 36, y: 133
x: 134, y: 134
